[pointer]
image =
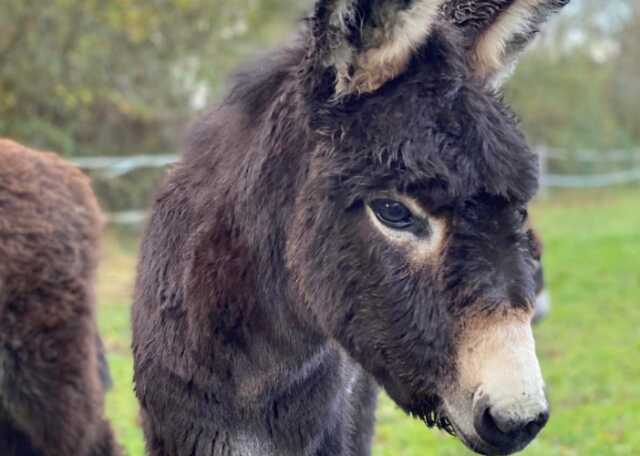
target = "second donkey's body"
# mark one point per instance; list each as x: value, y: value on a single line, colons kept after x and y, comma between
x: 53, y: 372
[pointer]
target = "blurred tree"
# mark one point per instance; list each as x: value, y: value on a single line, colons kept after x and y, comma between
x: 121, y: 76
x: 625, y: 82
x: 563, y: 88
x: 565, y: 102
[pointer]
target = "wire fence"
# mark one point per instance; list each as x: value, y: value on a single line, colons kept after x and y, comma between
x: 596, y: 169
x: 623, y: 168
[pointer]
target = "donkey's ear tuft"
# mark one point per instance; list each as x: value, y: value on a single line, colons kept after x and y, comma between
x: 497, y: 31
x: 370, y: 42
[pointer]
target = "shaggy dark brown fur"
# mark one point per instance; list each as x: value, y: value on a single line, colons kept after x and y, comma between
x: 51, y: 391
x: 268, y: 308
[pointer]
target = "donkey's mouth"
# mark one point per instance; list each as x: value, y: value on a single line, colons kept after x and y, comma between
x: 470, y: 443
x: 447, y: 424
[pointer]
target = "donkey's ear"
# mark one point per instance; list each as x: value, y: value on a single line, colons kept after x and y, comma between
x: 497, y: 31
x: 369, y: 42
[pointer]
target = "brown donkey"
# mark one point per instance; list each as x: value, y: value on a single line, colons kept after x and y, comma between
x: 352, y: 215
x: 52, y: 368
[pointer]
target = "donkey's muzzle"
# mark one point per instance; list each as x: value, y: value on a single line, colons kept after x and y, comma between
x: 507, y: 432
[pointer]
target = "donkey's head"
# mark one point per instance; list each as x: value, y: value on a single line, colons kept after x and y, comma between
x: 409, y: 243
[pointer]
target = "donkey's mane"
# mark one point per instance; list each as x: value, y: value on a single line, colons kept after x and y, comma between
x: 255, y: 86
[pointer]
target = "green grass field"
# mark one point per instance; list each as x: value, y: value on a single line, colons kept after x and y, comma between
x: 589, y: 346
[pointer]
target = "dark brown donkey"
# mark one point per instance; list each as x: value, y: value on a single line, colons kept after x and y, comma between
x: 352, y: 215
x: 52, y: 367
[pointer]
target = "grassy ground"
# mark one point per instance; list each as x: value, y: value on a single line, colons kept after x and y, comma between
x: 589, y: 347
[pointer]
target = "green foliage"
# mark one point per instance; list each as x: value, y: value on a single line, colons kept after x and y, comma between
x: 625, y: 81
x: 566, y: 102
x: 124, y: 76
x: 579, y: 88
x: 588, y: 346
x: 121, y: 76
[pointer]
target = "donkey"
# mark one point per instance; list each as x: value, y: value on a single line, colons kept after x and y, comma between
x: 53, y: 374
x: 353, y: 214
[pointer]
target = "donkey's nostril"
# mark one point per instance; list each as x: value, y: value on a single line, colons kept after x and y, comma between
x: 490, y: 431
x: 505, y: 432
x: 535, y: 426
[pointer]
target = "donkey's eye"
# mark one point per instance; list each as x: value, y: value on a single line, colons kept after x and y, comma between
x: 392, y: 213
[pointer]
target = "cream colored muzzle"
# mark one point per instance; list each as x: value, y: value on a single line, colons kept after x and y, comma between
x: 499, y: 404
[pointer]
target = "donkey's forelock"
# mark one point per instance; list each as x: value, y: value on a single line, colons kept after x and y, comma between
x: 431, y: 130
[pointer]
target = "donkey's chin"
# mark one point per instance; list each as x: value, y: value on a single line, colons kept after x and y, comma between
x: 476, y: 443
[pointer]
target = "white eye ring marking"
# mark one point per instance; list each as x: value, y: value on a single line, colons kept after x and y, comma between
x: 419, y: 249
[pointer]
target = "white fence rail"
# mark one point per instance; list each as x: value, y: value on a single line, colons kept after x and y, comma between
x: 114, y: 167
x: 119, y: 166
x: 626, y: 164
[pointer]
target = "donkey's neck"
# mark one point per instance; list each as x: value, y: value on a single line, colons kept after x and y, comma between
x: 299, y: 393
x: 300, y: 404
x: 293, y: 391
